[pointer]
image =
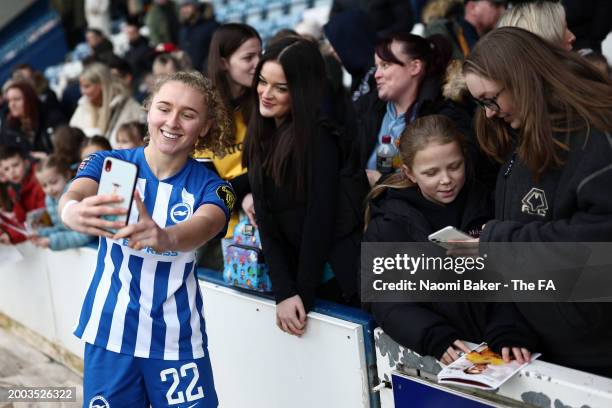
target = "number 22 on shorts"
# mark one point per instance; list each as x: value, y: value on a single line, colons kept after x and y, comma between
x: 189, y: 394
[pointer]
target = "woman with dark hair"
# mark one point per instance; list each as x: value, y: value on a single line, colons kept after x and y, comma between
x: 294, y: 160
x: 232, y: 59
x: 408, y: 76
x: 25, y: 123
x: 547, y: 114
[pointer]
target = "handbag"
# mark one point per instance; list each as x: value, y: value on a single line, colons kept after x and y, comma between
x: 243, y: 259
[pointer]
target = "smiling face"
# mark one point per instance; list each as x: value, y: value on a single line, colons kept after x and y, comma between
x: 273, y: 92
x: 177, y: 119
x: 485, y: 89
x: 51, y: 181
x: 439, y: 172
x: 242, y: 63
x: 16, y: 103
x: 393, y: 81
x: 124, y: 141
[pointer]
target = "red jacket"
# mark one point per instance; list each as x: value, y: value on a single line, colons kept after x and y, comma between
x: 29, y: 197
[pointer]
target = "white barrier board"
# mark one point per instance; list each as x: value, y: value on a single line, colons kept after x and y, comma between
x: 258, y: 366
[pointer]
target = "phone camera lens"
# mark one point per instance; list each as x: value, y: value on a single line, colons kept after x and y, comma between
x: 108, y: 166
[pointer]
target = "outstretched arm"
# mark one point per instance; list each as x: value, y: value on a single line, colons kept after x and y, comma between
x: 207, y: 221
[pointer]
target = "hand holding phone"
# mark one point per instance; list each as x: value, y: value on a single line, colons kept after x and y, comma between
x: 448, y: 237
x: 118, y: 178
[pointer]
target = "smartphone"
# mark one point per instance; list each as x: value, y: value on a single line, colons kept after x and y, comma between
x: 445, y: 235
x: 119, y: 178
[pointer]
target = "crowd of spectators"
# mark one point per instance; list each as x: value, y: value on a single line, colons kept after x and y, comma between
x: 302, y: 151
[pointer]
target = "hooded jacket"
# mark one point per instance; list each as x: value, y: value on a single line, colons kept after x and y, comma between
x: 398, y: 215
x: 568, y: 204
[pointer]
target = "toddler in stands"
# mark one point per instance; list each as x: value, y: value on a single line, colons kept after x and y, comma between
x: 130, y: 135
x: 53, y: 175
x: 94, y: 144
x: 24, y: 191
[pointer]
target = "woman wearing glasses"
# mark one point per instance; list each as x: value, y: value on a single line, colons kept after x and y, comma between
x: 547, y: 114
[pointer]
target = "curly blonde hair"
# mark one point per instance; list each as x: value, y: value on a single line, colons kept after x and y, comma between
x: 217, y: 138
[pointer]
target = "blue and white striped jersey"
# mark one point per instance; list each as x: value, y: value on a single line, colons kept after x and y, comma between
x: 144, y: 303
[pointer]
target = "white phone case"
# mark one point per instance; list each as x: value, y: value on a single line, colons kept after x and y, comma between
x: 446, y: 234
x: 118, y: 177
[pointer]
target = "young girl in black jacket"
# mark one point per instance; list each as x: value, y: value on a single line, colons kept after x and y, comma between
x: 432, y: 191
x: 294, y: 163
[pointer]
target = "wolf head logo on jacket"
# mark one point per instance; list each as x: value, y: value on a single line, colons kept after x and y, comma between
x: 534, y: 203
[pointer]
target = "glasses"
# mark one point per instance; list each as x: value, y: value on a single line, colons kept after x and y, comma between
x: 490, y: 103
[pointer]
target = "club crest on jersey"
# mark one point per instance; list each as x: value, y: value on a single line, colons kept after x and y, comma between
x: 226, y: 195
x: 535, y: 203
x: 181, y: 212
x: 98, y: 402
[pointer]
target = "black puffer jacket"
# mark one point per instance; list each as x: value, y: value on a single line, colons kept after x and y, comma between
x: 398, y: 215
x: 570, y: 204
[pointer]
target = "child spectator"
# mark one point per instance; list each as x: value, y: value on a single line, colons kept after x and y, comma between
x: 24, y: 191
x: 94, y: 144
x: 67, y: 143
x: 433, y: 191
x: 53, y: 175
x: 130, y: 135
